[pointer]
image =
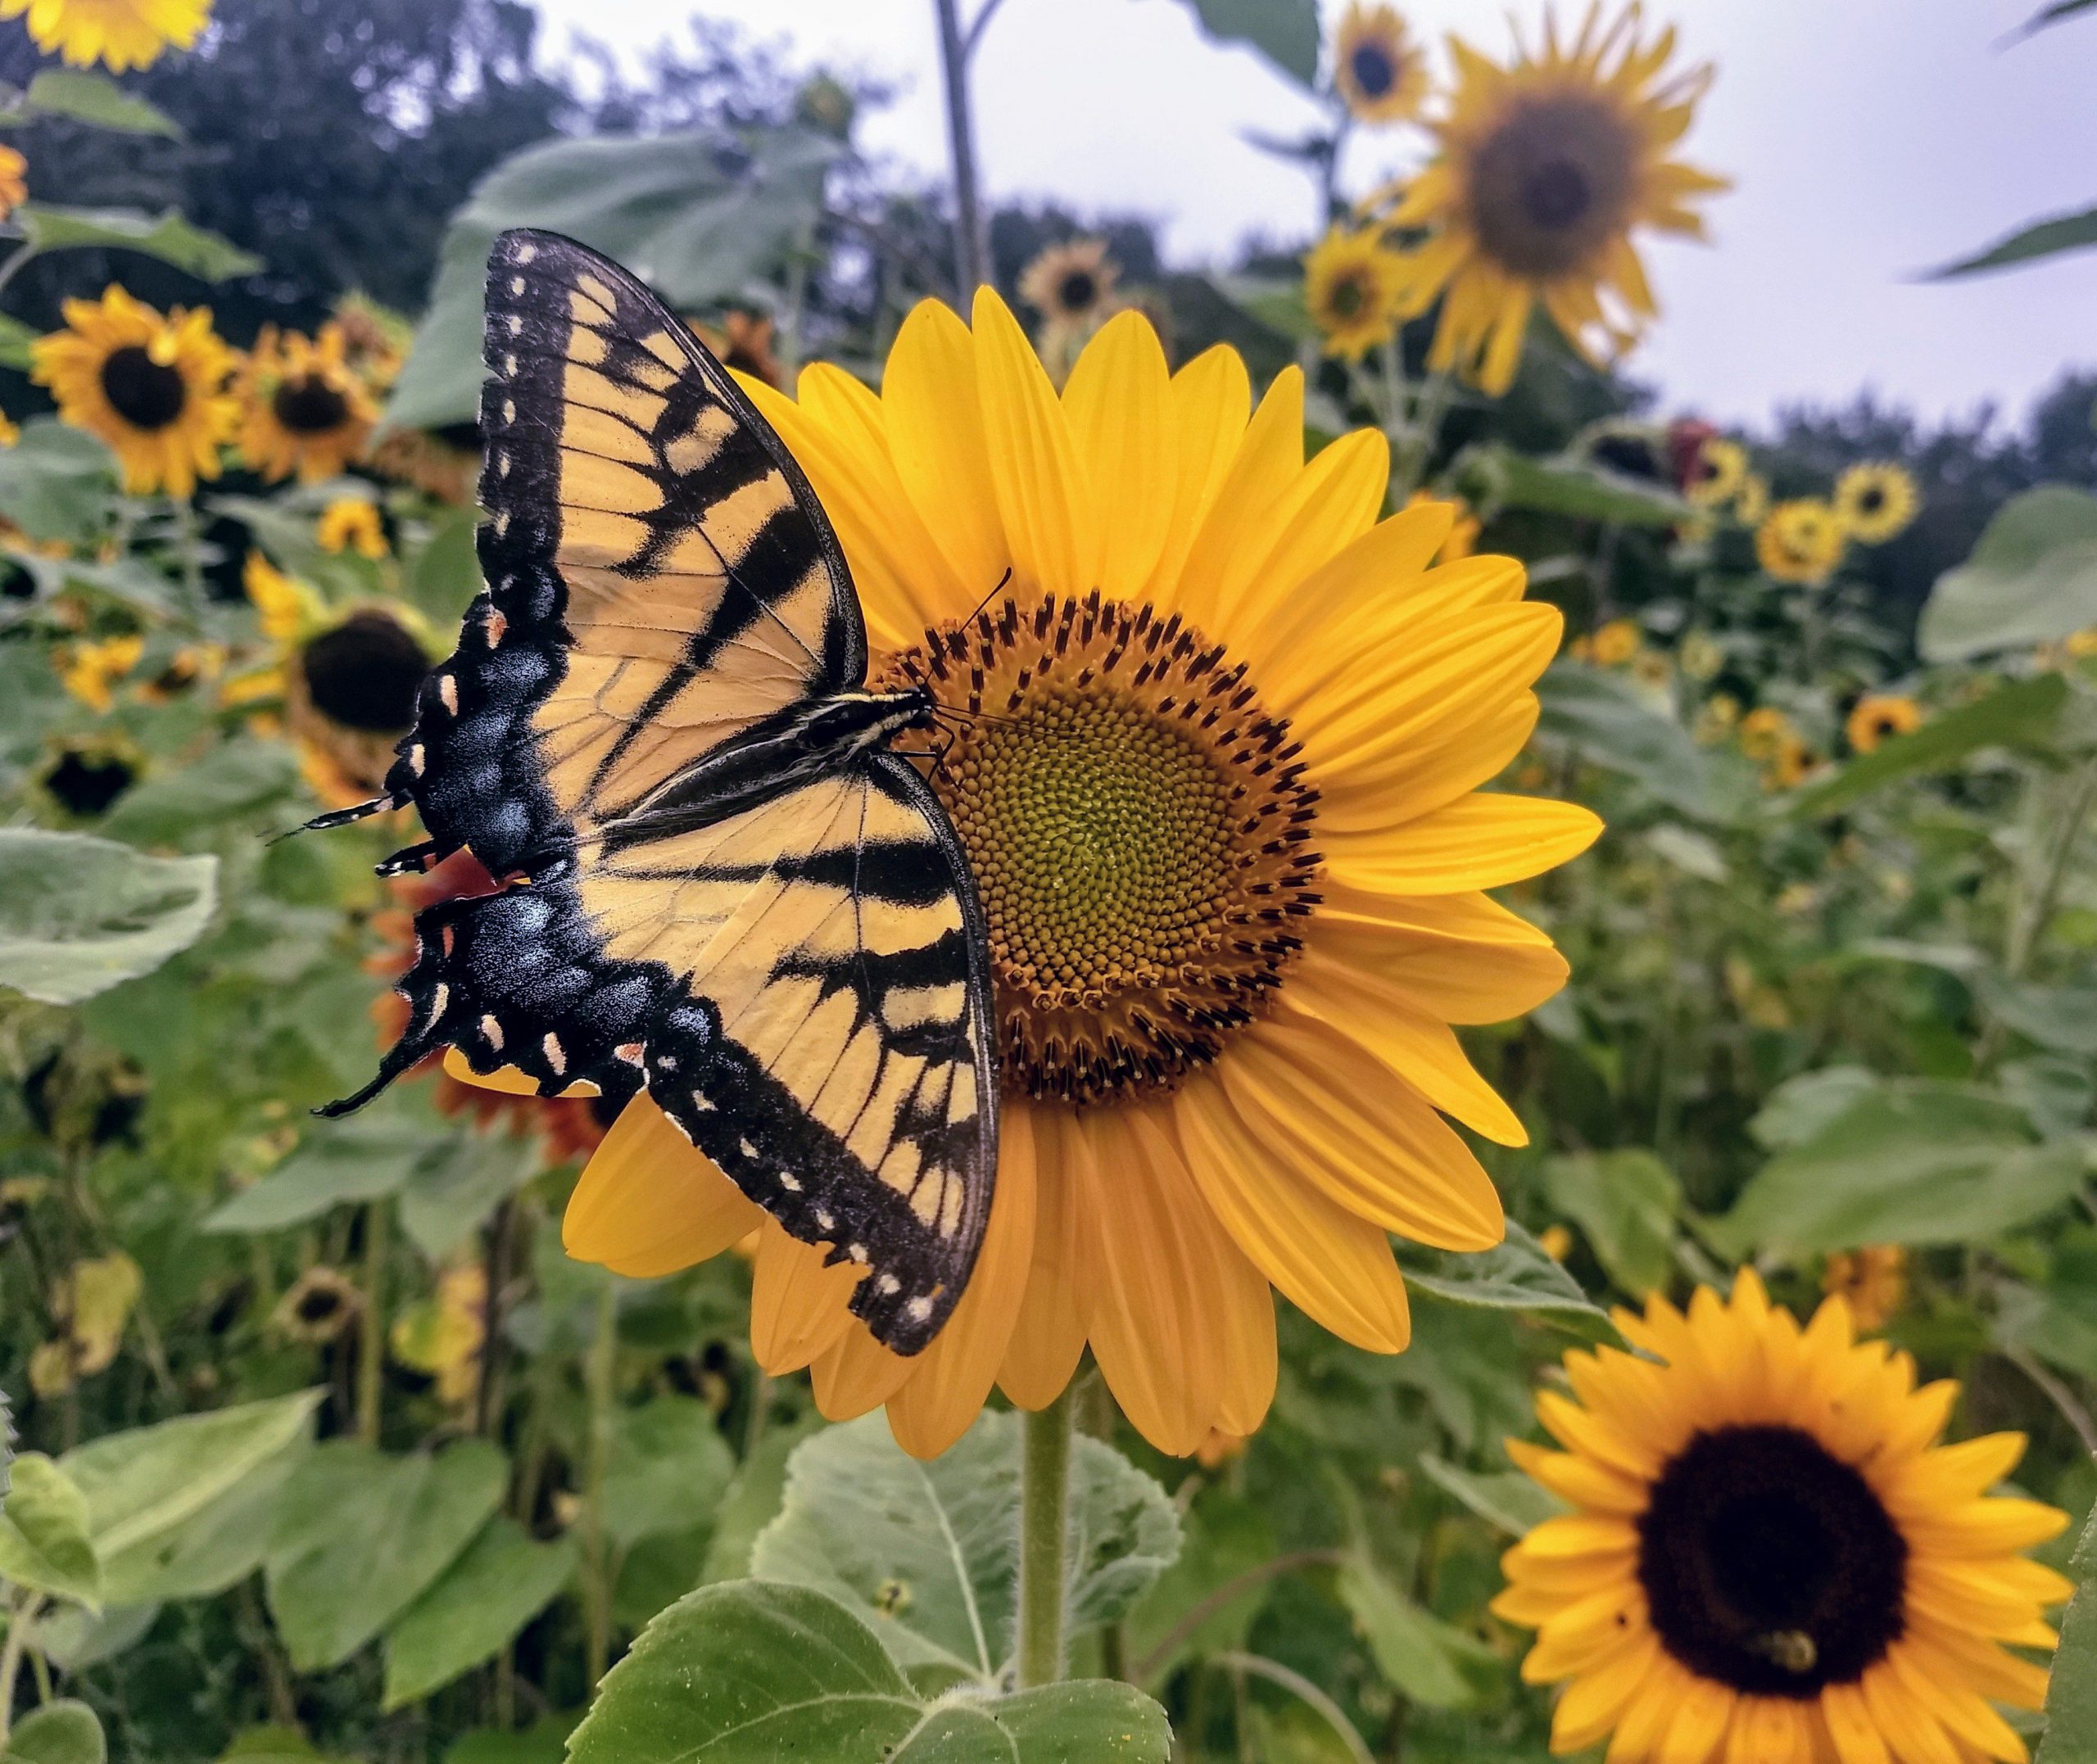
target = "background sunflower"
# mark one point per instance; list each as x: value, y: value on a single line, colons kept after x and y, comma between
x: 303, y: 409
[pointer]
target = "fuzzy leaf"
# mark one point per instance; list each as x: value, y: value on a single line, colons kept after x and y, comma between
x: 79, y: 915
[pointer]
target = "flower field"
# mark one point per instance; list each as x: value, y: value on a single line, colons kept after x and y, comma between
x: 794, y: 967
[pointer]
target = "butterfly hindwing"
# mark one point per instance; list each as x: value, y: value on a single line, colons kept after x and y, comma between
x: 803, y: 984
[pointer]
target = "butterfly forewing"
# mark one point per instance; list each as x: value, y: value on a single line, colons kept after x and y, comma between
x: 802, y: 985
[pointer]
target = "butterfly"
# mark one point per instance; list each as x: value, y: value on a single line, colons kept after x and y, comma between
x: 722, y: 885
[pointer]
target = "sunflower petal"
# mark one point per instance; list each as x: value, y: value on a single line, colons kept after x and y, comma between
x: 1043, y: 496
x: 650, y: 1202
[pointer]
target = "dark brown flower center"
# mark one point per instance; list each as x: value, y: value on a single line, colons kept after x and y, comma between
x: 1078, y: 290
x: 86, y: 784
x: 1553, y: 183
x: 1375, y: 71
x: 146, y: 393
x: 1872, y: 499
x: 1139, y: 828
x: 1769, y: 1565
x: 364, y: 674
x: 1348, y: 297
x: 309, y: 405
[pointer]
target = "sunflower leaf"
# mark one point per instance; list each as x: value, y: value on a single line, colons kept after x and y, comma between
x: 93, y: 98
x: 1284, y: 31
x: 2032, y: 578
x: 79, y: 915
x: 1519, y: 1276
x: 166, y: 235
x: 2071, y: 1687
x: 2041, y: 238
x: 56, y: 482
x: 2020, y: 714
x: 66, y: 1732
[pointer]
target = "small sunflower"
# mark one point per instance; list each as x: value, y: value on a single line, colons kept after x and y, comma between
x: 443, y: 1336
x: 1701, y: 656
x: 90, y: 671
x: 351, y: 523
x: 302, y: 410
x: 1771, y: 1560
x: 1071, y: 284
x: 1764, y: 731
x: 14, y: 180
x: 317, y: 1307
x: 1873, y: 1281
x: 1224, y: 1037
x: 1352, y: 287
x: 1876, y: 502
x: 1800, y: 541
x: 85, y: 776
x: 441, y: 463
x: 1379, y: 72
x: 1752, y: 500
x: 1793, y: 764
x: 1718, y: 473
x: 152, y: 388
x: 1547, y: 166
x: 190, y: 664
x: 1615, y: 643
x: 119, y: 33
x: 1875, y: 715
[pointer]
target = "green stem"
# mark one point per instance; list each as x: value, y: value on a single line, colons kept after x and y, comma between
x: 20, y: 1622
x: 1044, y: 1519
x: 371, y: 1338
x: 1258, y: 1666
x: 1423, y: 435
x: 971, y: 237
x: 601, y: 1372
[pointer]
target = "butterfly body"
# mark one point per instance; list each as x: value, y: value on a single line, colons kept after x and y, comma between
x: 718, y: 885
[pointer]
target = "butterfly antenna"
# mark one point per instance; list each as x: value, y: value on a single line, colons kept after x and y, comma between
x: 340, y: 817
x: 995, y: 592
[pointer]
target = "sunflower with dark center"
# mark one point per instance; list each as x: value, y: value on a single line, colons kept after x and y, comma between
x: 1353, y: 285
x: 1380, y: 74
x: 1876, y: 502
x: 152, y: 386
x: 1233, y: 870
x: 1070, y: 285
x: 1547, y: 167
x: 85, y: 777
x: 1771, y: 1557
x: 119, y: 33
x: 1801, y: 542
x: 303, y: 409
x: 317, y: 1307
x: 1718, y: 474
x: 1878, y: 717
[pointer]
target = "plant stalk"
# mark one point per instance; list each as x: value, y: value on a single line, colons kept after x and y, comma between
x: 602, y: 1376
x: 371, y: 1334
x: 971, y: 240
x: 1044, y: 1523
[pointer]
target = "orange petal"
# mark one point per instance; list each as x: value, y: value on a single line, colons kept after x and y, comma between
x: 650, y: 1202
x: 797, y: 1306
x: 1048, y: 1338
x: 855, y: 1375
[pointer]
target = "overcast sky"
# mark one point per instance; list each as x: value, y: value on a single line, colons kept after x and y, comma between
x: 1868, y: 139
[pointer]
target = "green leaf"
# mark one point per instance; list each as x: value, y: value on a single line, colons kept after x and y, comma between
x: 544, y: 1742
x: 452, y: 1189
x: 2020, y: 714
x: 1578, y: 488
x: 669, y: 1469
x: 1504, y: 1498
x: 2032, y: 578
x: 1802, y: 1106
x: 1518, y: 1276
x: 1602, y: 716
x: 79, y: 915
x: 15, y: 339
x: 364, y: 1158
x: 1434, y: 1663
x: 748, y: 1673
x: 700, y: 216
x: 2063, y: 1018
x: 442, y: 577
x: 166, y: 235
x: 143, y: 1483
x: 95, y: 98
x: 234, y: 781
x: 73, y: 1638
x: 929, y: 1551
x: 2071, y: 1735
x: 359, y: 1536
x: 473, y: 1609
x: 44, y: 1543
x: 1284, y: 31
x: 1626, y: 1203
x: 56, y: 482
x: 2041, y: 238
x: 749, y: 1505
x: 1911, y: 1163
x: 59, y: 1733
x: 1224, y: 1540
x: 217, y: 1548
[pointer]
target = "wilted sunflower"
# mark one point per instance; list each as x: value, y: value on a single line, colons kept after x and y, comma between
x: 302, y: 410
x: 1876, y: 502
x: 743, y: 339
x: 1716, y: 473
x: 1875, y: 715
x: 1771, y: 1560
x: 1545, y: 167
x: 119, y: 33
x: 1379, y: 72
x: 152, y: 388
x: 1230, y: 841
x: 90, y: 671
x: 1873, y: 1281
x: 439, y: 463
x: 14, y: 180
x: 1800, y: 541
x: 351, y: 523
x: 1071, y: 284
x: 1352, y: 284
x: 348, y: 678
x: 317, y: 1307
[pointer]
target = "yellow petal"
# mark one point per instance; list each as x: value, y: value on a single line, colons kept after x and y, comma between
x: 855, y: 1375
x: 1477, y: 842
x: 1048, y: 1339
x: 1461, y: 957
x: 1119, y: 404
x: 1240, y: 517
x: 1211, y: 401
x: 1044, y: 496
x: 798, y: 1306
x: 650, y: 1202
x: 932, y: 410
x: 1332, y: 502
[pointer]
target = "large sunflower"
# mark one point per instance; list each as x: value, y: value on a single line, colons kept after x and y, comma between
x: 1547, y: 166
x: 303, y: 409
x: 1771, y: 1561
x: 1227, y: 829
x: 153, y: 387
x: 120, y: 33
x: 1378, y: 70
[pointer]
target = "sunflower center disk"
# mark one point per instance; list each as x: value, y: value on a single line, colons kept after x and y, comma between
x: 1551, y: 184
x: 1079, y: 290
x: 1373, y: 72
x: 364, y: 674
x: 146, y: 393
x: 1139, y: 829
x: 1769, y: 1564
x: 309, y: 405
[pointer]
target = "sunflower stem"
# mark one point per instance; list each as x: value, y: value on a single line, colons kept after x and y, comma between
x: 601, y: 1374
x: 371, y: 1339
x: 1044, y: 1510
x: 972, y: 242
